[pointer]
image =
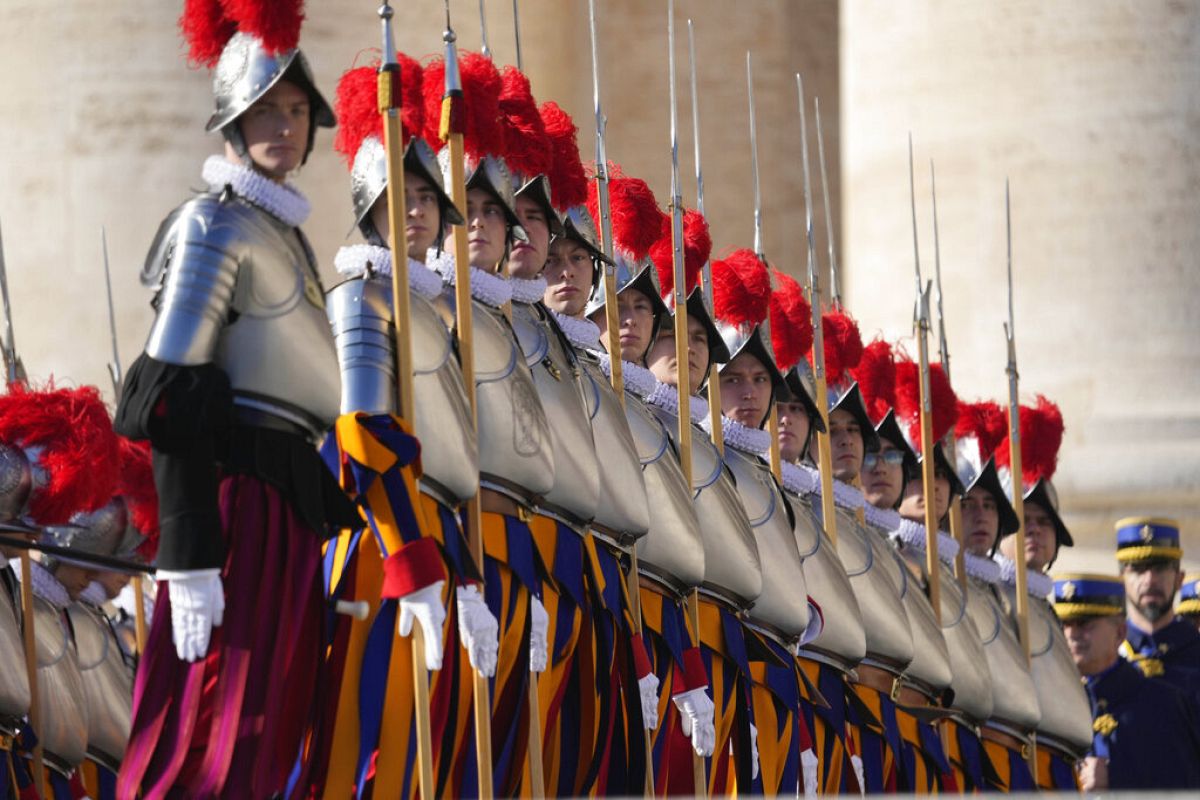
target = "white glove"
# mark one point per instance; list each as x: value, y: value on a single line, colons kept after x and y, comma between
x: 425, y: 606
x: 696, y: 711
x: 648, y: 689
x: 753, y: 751
x: 197, y: 605
x: 539, y: 642
x: 810, y: 767
x: 478, y: 629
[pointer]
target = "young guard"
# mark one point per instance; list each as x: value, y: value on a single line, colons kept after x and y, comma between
x: 987, y: 516
x: 417, y: 553
x: 1064, y: 733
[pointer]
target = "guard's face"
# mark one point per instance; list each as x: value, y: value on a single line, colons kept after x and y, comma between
x: 487, y: 230
x: 846, y: 442
x: 73, y: 578
x: 793, y: 429
x: 981, y: 521
x: 913, y: 505
x: 661, y: 358
x: 636, y: 315
x: 1094, y: 641
x: 423, y: 216
x: 883, y: 475
x: 568, y: 278
x: 528, y: 258
x: 746, y: 391
x: 275, y: 130
x: 1151, y: 586
x: 113, y: 582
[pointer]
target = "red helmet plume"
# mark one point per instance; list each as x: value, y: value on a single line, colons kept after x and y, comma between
x: 1041, y: 437
x: 636, y: 218
x: 843, y: 346
x: 483, y: 134
x: 357, y: 106
x: 741, y: 289
x: 526, y: 146
x: 791, y: 321
x: 697, y: 247
x: 135, y: 483
x: 943, y: 401
x: 876, y: 378
x: 568, y: 183
x: 987, y: 421
x: 78, y: 448
x: 208, y: 25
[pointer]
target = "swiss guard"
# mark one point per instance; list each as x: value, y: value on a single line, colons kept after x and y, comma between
x: 1158, y: 641
x: 1145, y: 732
x: 233, y: 391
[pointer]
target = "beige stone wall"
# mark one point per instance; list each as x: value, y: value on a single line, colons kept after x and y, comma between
x: 1093, y: 111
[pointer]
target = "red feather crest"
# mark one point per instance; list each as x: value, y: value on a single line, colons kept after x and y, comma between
x: 136, y: 484
x: 483, y: 134
x: 208, y: 25
x: 876, y: 378
x: 697, y: 247
x: 357, y: 106
x: 791, y: 321
x: 741, y: 289
x: 568, y: 183
x: 636, y: 218
x: 526, y: 146
x: 843, y: 346
x: 986, y: 421
x: 79, y: 448
x: 943, y: 401
x: 1041, y: 437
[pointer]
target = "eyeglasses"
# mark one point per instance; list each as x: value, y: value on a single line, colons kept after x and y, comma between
x: 892, y: 457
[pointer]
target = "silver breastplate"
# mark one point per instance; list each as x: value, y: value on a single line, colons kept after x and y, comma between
x: 107, y: 683
x: 623, y: 507
x: 844, y: 635
x: 561, y: 386
x: 878, y: 581
x: 14, y: 682
x: 63, y: 728
x: 931, y: 658
x: 1066, y: 713
x: 514, y: 436
x: 673, y: 548
x: 239, y: 288
x: 732, y: 568
x: 971, y: 681
x: 1014, y: 698
x: 360, y: 312
x: 783, y: 601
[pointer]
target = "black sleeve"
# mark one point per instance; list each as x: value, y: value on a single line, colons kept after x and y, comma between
x: 183, y: 411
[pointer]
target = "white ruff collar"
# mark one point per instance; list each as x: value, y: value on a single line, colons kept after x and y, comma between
x: 525, y: 290
x: 666, y: 397
x: 847, y: 496
x: 637, y: 379
x: 801, y: 479
x: 984, y: 569
x: 580, y: 331
x: 46, y: 586
x: 351, y: 261
x: 912, y: 534
x: 94, y: 594
x: 741, y: 437
x: 883, y: 518
x: 486, y: 287
x: 1037, y: 584
x: 281, y: 200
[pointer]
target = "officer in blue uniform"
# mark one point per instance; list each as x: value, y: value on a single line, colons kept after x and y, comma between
x: 1188, y: 607
x: 1161, y: 644
x: 1146, y: 732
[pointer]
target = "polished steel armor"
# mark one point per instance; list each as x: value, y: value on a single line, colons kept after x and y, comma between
x: 63, y: 728
x: 878, y: 580
x: 732, y: 568
x: 246, y: 71
x: 783, y: 602
x: 14, y: 680
x: 623, y: 509
x: 575, y: 492
x: 930, y: 665
x: 1014, y: 698
x: 16, y: 482
x: 360, y: 311
x: 673, y: 549
x: 107, y: 683
x: 515, y: 456
x: 235, y: 284
x: 98, y: 532
x: 844, y: 638
x: 368, y: 176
